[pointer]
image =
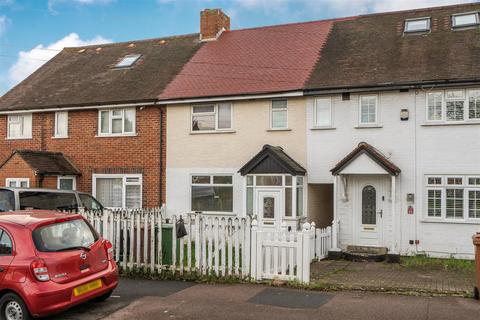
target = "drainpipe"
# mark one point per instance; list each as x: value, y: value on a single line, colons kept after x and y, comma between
x: 160, y: 193
x: 335, y: 217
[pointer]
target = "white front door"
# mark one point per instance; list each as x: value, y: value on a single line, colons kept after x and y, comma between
x: 269, y: 208
x: 370, y: 210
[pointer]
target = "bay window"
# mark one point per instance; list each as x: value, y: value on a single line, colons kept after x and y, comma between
x: 118, y: 190
x: 212, y: 117
x: 453, y: 197
x: 212, y: 193
x: 19, y: 126
x: 117, y: 122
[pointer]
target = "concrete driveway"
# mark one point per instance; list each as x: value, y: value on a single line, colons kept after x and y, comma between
x: 142, y: 299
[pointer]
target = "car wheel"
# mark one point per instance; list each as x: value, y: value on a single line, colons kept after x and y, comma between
x: 12, y: 307
x: 103, y: 297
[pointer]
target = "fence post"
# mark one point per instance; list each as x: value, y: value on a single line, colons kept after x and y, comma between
x: 306, y: 259
x: 198, y: 244
x: 313, y: 241
x: 253, y: 250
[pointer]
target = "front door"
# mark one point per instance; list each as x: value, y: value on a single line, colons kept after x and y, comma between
x: 269, y: 208
x: 370, y: 211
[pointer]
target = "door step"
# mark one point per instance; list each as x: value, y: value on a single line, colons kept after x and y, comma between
x: 365, y: 253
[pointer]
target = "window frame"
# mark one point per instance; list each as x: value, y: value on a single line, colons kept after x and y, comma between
x: 455, y: 26
x: 212, y: 184
x: 377, y: 116
x: 18, y: 182
x: 73, y: 178
x: 111, y: 117
x: 124, y: 177
x: 315, y: 113
x: 2, y: 231
x: 136, y: 57
x: 443, y: 186
x: 214, y: 113
x: 466, y: 106
x: 55, y: 133
x: 21, y: 120
x: 429, y: 24
x: 272, y: 110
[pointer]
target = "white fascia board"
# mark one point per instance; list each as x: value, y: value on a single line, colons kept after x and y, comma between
x: 233, y: 98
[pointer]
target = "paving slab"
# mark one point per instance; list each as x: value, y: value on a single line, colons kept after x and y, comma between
x: 289, y: 298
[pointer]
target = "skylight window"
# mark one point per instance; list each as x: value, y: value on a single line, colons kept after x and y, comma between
x: 128, y: 61
x: 417, y: 25
x: 465, y: 19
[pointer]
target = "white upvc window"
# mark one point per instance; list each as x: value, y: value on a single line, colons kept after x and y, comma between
x: 66, y: 182
x: 456, y: 105
x: 17, y: 182
x: 212, y: 193
x: 368, y: 110
x: 211, y: 117
x: 118, y: 190
x: 452, y: 197
x: 323, y: 113
x: 279, y: 114
x: 19, y: 126
x: 467, y: 19
x: 61, y: 124
x: 116, y: 122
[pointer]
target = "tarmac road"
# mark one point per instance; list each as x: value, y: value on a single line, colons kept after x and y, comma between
x: 145, y: 300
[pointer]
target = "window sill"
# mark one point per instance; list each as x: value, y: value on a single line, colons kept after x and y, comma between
x: 60, y: 137
x: 116, y: 135
x: 368, y: 126
x: 212, y: 132
x: 22, y: 138
x: 323, y: 128
x: 279, y: 129
x: 453, y: 123
x: 450, y: 221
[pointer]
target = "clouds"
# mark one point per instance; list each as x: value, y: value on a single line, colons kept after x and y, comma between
x: 29, y: 61
x: 52, y: 3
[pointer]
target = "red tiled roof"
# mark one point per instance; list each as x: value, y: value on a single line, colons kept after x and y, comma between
x: 252, y: 61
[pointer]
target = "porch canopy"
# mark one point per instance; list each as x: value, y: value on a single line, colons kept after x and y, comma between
x: 45, y: 163
x: 272, y: 160
x: 365, y: 159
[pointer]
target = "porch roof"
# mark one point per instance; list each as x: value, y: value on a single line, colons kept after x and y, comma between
x: 272, y: 160
x: 372, y: 153
x: 45, y: 162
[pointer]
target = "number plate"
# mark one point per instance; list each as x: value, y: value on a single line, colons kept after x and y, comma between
x: 88, y: 287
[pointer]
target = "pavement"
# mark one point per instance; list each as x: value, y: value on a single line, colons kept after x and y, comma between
x: 145, y: 300
x: 374, y: 276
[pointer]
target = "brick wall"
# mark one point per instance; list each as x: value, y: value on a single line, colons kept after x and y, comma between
x: 17, y: 168
x: 92, y: 154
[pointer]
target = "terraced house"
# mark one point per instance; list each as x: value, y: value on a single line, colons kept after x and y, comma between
x: 367, y: 123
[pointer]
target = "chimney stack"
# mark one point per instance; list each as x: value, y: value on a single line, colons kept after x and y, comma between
x: 212, y: 23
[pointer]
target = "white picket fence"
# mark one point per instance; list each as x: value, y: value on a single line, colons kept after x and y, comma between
x: 222, y: 246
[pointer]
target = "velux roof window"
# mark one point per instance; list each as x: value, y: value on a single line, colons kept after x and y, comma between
x: 128, y: 61
x: 465, y: 19
x: 417, y: 25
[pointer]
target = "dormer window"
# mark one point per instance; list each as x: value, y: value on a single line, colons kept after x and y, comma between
x: 128, y: 61
x: 465, y: 20
x: 417, y: 25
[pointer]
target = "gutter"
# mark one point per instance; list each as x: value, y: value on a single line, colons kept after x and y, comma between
x: 391, y: 86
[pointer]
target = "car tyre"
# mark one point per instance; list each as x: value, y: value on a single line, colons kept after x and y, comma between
x: 12, y: 307
x: 103, y: 297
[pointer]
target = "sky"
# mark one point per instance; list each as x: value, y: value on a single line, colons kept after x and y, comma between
x: 34, y: 31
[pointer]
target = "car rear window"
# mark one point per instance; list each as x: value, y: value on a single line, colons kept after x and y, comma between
x: 7, y: 200
x: 47, y: 200
x: 64, y: 236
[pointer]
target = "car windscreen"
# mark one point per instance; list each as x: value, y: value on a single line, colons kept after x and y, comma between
x: 89, y: 202
x: 47, y: 200
x: 7, y: 200
x: 64, y: 236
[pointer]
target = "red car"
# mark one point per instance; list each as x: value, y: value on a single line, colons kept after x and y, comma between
x: 51, y: 261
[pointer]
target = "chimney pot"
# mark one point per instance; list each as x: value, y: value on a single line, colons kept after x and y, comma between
x: 212, y: 23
